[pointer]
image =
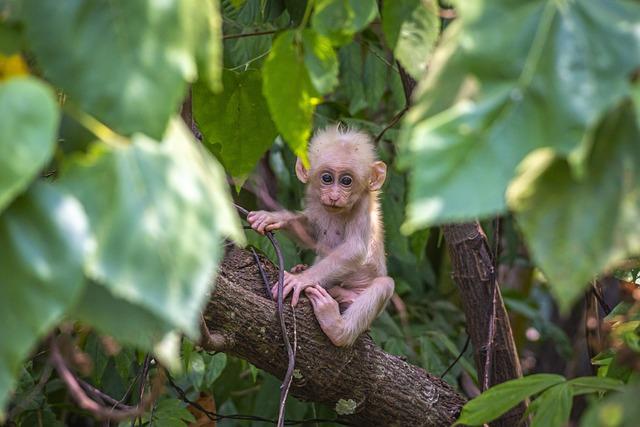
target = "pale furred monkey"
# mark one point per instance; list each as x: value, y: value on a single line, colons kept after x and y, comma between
x: 342, y: 217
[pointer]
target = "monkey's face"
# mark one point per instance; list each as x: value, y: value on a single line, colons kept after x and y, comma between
x: 337, y: 189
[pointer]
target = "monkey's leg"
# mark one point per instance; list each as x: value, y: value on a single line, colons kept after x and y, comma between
x: 343, y: 329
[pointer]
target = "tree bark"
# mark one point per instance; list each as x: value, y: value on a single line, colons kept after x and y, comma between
x: 472, y: 265
x: 373, y: 388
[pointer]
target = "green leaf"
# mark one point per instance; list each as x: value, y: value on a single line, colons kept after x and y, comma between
x: 158, y: 212
x: 352, y: 77
x: 617, y: 410
x: 577, y: 228
x: 126, y: 62
x: 215, y: 365
x: 170, y: 413
x: 291, y: 104
x: 411, y: 28
x: 43, y: 235
x: 376, y: 74
x: 321, y: 61
x: 10, y: 38
x: 547, y: 84
x: 341, y: 19
x: 502, y: 397
x: 237, y: 119
x: 28, y: 120
x: 553, y: 407
x: 584, y: 385
x: 393, y: 211
x: 96, y: 307
x: 446, y: 150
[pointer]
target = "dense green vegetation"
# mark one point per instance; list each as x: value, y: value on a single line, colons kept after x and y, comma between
x: 113, y: 215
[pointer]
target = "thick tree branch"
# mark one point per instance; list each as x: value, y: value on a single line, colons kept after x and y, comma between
x: 472, y: 265
x: 382, y: 389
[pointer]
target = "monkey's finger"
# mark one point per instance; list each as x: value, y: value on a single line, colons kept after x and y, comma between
x: 274, y: 226
x: 263, y: 224
x: 286, y: 290
x: 257, y: 223
x: 313, y: 299
x: 322, y: 291
x: 296, y: 296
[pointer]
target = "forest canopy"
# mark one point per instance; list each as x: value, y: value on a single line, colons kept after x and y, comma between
x: 128, y: 130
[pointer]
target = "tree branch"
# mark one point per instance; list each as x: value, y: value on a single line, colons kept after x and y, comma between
x: 380, y: 389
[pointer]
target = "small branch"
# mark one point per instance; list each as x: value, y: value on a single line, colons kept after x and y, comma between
x: 393, y: 122
x: 85, y: 402
x: 213, y: 341
x: 243, y: 35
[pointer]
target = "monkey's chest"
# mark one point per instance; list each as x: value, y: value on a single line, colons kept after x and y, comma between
x: 329, y: 238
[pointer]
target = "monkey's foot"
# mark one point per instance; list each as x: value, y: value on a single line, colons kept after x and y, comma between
x: 327, y: 312
x: 298, y: 268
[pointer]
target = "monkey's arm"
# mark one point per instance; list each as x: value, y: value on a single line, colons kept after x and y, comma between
x: 296, y: 223
x: 341, y: 261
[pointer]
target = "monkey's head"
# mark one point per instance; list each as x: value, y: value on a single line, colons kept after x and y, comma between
x: 343, y: 168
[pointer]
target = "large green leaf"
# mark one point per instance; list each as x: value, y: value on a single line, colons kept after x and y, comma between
x: 502, y: 397
x: 321, y: 61
x: 577, y: 228
x: 584, y: 385
x: 376, y: 75
x: 352, y: 77
x: 553, y: 407
x: 341, y: 19
x: 546, y: 84
x: 28, y: 121
x: 158, y: 212
x: 113, y: 316
x: 126, y: 62
x: 236, y: 119
x: 43, y: 235
x: 289, y: 92
x: 411, y: 28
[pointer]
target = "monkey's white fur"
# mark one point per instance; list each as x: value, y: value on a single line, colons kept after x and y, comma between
x: 344, y: 223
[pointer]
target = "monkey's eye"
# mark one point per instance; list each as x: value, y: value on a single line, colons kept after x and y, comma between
x: 346, y: 180
x: 326, y: 178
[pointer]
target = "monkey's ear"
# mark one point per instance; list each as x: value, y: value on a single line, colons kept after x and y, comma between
x: 301, y: 171
x: 378, y: 175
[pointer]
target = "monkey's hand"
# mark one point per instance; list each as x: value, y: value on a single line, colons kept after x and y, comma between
x: 263, y: 221
x: 296, y: 283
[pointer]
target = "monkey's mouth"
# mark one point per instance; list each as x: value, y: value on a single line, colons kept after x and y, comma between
x: 332, y: 208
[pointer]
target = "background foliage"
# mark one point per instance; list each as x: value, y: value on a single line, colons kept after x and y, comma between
x: 112, y: 214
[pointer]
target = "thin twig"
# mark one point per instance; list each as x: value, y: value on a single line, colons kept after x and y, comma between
x: 284, y: 388
x: 392, y: 122
x: 462, y: 352
x: 263, y: 274
x: 242, y: 35
x: 143, y: 380
x: 84, y: 401
x: 494, y: 302
x: 102, y: 395
x: 603, y: 304
x: 214, y: 416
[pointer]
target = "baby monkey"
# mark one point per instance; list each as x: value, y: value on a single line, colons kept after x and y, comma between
x: 348, y: 284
